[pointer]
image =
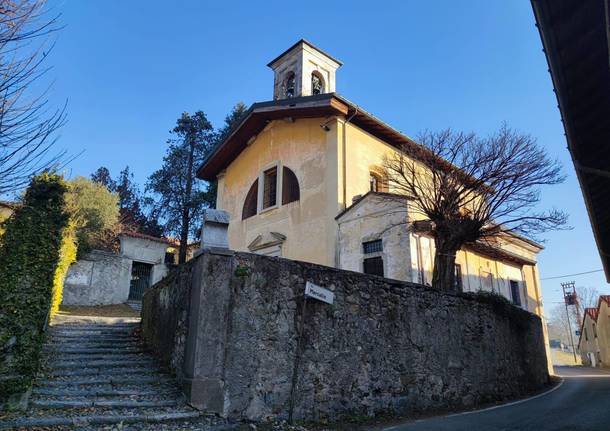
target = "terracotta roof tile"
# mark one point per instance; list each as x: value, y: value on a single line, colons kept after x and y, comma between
x: 592, y: 312
x: 169, y: 241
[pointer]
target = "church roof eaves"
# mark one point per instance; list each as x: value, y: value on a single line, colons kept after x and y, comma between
x: 261, y: 113
x: 258, y: 116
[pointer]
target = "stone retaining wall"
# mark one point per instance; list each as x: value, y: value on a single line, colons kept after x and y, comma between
x: 230, y: 327
x: 165, y: 317
x: 100, y: 278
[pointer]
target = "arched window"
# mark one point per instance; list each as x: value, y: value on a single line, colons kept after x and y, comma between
x: 374, y: 183
x: 289, y: 84
x: 290, y: 186
x: 317, y: 83
x: 377, y: 183
x: 250, y: 202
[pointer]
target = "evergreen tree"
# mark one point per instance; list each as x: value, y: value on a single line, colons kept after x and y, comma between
x: 231, y: 121
x: 131, y: 213
x: 102, y: 176
x: 132, y: 216
x: 178, y: 199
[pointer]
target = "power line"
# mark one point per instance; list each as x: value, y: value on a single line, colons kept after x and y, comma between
x: 571, y: 275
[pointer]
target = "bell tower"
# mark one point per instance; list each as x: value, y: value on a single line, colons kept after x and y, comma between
x: 303, y: 70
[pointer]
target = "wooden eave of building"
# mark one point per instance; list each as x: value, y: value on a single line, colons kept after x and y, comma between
x: 495, y: 252
x: 319, y: 106
x: 257, y: 118
x: 576, y: 39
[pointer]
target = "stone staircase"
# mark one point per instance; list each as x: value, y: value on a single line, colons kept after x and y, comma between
x: 98, y: 374
x: 135, y: 305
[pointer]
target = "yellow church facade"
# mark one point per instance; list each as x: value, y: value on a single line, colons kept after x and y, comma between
x: 301, y: 177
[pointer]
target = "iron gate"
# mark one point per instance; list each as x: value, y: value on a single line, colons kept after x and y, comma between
x: 140, y: 280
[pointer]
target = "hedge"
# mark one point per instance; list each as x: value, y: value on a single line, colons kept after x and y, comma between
x: 35, y: 252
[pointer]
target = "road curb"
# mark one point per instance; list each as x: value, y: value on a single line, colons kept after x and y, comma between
x: 512, y: 403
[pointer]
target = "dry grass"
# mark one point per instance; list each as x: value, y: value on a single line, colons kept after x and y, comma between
x: 118, y: 310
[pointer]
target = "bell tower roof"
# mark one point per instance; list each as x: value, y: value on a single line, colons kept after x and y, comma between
x: 303, y: 70
x: 311, y: 46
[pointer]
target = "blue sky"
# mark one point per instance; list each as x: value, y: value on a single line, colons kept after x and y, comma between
x: 128, y: 69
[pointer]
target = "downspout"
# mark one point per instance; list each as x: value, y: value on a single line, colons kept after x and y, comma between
x: 344, y: 154
x: 344, y: 191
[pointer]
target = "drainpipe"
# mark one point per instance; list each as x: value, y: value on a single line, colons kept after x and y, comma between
x: 344, y: 151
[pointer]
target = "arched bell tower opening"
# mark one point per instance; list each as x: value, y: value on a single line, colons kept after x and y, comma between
x: 303, y: 70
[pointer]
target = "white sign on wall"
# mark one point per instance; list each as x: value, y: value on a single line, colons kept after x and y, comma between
x: 319, y: 293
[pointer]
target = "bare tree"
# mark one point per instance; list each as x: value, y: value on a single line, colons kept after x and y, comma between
x: 587, y: 298
x: 474, y: 189
x: 558, y: 325
x: 27, y: 124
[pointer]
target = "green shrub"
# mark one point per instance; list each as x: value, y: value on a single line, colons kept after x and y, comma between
x: 35, y: 252
x: 94, y: 210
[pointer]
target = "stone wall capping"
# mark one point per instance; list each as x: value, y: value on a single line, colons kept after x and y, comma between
x: 214, y: 230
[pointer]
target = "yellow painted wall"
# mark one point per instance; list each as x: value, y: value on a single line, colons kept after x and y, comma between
x: 603, y: 333
x: 588, y: 342
x: 309, y: 225
x: 5, y: 212
x: 363, y: 152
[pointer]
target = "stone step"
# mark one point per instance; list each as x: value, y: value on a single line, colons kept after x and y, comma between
x: 109, y: 391
x: 87, y: 403
x: 73, y: 352
x: 82, y: 421
x: 91, y: 335
x: 67, y: 337
x: 117, y: 380
x: 88, y: 344
x: 102, y: 371
x: 125, y: 356
x: 95, y: 327
x: 140, y: 361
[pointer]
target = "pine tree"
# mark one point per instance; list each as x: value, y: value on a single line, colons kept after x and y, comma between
x: 131, y: 216
x: 231, y: 121
x: 178, y: 198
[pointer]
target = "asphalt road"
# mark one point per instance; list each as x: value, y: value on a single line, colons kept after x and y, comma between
x: 582, y: 402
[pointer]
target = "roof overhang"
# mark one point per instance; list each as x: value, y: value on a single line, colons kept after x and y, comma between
x: 322, y: 105
x: 257, y: 118
x: 576, y: 39
x: 495, y: 252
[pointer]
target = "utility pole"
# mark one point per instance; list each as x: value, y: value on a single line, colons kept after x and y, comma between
x: 570, y: 298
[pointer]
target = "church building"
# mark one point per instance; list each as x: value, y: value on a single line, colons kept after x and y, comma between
x: 301, y: 177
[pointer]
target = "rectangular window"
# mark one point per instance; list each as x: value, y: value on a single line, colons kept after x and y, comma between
x: 170, y: 258
x: 372, y: 246
x: 514, y: 290
x: 458, y: 276
x: 373, y: 266
x: 270, y: 188
x: 586, y: 335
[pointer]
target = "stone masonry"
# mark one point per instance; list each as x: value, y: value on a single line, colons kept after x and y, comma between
x: 232, y: 328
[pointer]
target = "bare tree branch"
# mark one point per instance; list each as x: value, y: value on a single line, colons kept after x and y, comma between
x: 475, y: 188
x: 27, y: 123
